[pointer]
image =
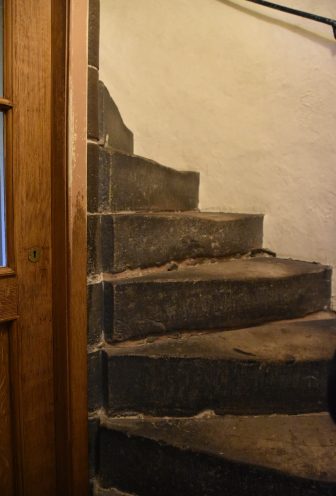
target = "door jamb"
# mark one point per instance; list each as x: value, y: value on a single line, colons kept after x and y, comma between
x: 69, y: 132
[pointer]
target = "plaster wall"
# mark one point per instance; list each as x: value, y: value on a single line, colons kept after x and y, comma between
x: 241, y: 93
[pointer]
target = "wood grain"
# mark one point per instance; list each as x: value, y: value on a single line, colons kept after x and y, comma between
x: 33, y: 340
x: 77, y: 261
x: 43, y: 352
x: 8, y: 299
x: 60, y: 248
x: 6, y: 453
x: 69, y: 244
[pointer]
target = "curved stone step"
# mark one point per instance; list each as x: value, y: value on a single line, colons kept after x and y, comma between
x: 280, y: 367
x: 127, y: 241
x: 238, y: 456
x: 121, y: 182
x: 232, y: 293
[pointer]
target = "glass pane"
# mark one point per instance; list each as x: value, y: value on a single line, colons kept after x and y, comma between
x: 1, y: 46
x: 3, y: 253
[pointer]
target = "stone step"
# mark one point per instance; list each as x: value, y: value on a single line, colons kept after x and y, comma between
x: 239, y: 456
x: 280, y: 367
x: 121, y: 182
x: 99, y: 491
x: 113, y: 132
x: 226, y: 294
x: 127, y: 241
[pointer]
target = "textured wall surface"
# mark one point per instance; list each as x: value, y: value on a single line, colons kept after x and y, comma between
x: 241, y: 93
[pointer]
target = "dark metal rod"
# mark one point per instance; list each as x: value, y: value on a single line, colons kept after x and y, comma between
x: 289, y: 10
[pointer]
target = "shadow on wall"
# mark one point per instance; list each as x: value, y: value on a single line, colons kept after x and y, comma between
x: 309, y: 35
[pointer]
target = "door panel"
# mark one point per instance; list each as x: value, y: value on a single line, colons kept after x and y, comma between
x: 43, y: 280
x: 6, y: 454
x: 26, y: 368
x: 8, y: 296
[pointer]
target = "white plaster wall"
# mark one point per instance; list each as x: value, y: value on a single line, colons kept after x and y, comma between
x: 245, y: 95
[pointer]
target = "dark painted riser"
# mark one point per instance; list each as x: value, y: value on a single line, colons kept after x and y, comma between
x: 120, y: 182
x: 150, y: 468
x: 230, y: 294
x: 127, y: 241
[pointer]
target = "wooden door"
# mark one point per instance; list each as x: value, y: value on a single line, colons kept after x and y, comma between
x: 42, y: 393
x: 26, y: 278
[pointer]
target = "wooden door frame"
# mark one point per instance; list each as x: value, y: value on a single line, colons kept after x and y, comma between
x: 69, y: 151
x: 46, y: 74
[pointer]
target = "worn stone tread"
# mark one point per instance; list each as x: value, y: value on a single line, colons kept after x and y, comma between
x: 239, y: 270
x: 121, y: 182
x: 230, y: 293
x: 99, y: 491
x: 130, y: 240
x: 297, y: 339
x: 273, y: 368
x: 262, y: 455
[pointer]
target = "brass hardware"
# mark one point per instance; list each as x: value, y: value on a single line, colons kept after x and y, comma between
x: 34, y: 254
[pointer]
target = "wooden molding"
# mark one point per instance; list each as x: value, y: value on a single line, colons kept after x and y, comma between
x: 69, y: 242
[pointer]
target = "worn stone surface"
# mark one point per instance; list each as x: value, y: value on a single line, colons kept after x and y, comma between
x: 238, y: 456
x: 95, y: 315
x: 95, y: 380
x: 233, y: 293
x: 120, y: 182
x: 94, y: 28
x: 92, y: 111
x: 275, y: 368
x: 129, y: 241
x: 99, y: 491
x: 112, y: 130
x: 93, y: 426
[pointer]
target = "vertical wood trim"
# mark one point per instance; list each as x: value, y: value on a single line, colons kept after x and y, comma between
x: 70, y: 245
x: 77, y: 205
x: 60, y: 244
x: 33, y: 337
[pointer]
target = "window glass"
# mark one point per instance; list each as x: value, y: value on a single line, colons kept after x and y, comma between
x: 1, y: 46
x: 3, y: 254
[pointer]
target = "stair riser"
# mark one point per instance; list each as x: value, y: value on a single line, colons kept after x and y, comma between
x: 185, y: 387
x: 112, y: 130
x: 123, y: 242
x: 119, y: 182
x: 95, y: 313
x: 95, y: 380
x: 149, y: 468
x: 134, y: 310
x: 93, y: 429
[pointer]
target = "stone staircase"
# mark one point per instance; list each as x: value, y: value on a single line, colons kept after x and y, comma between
x: 208, y: 356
